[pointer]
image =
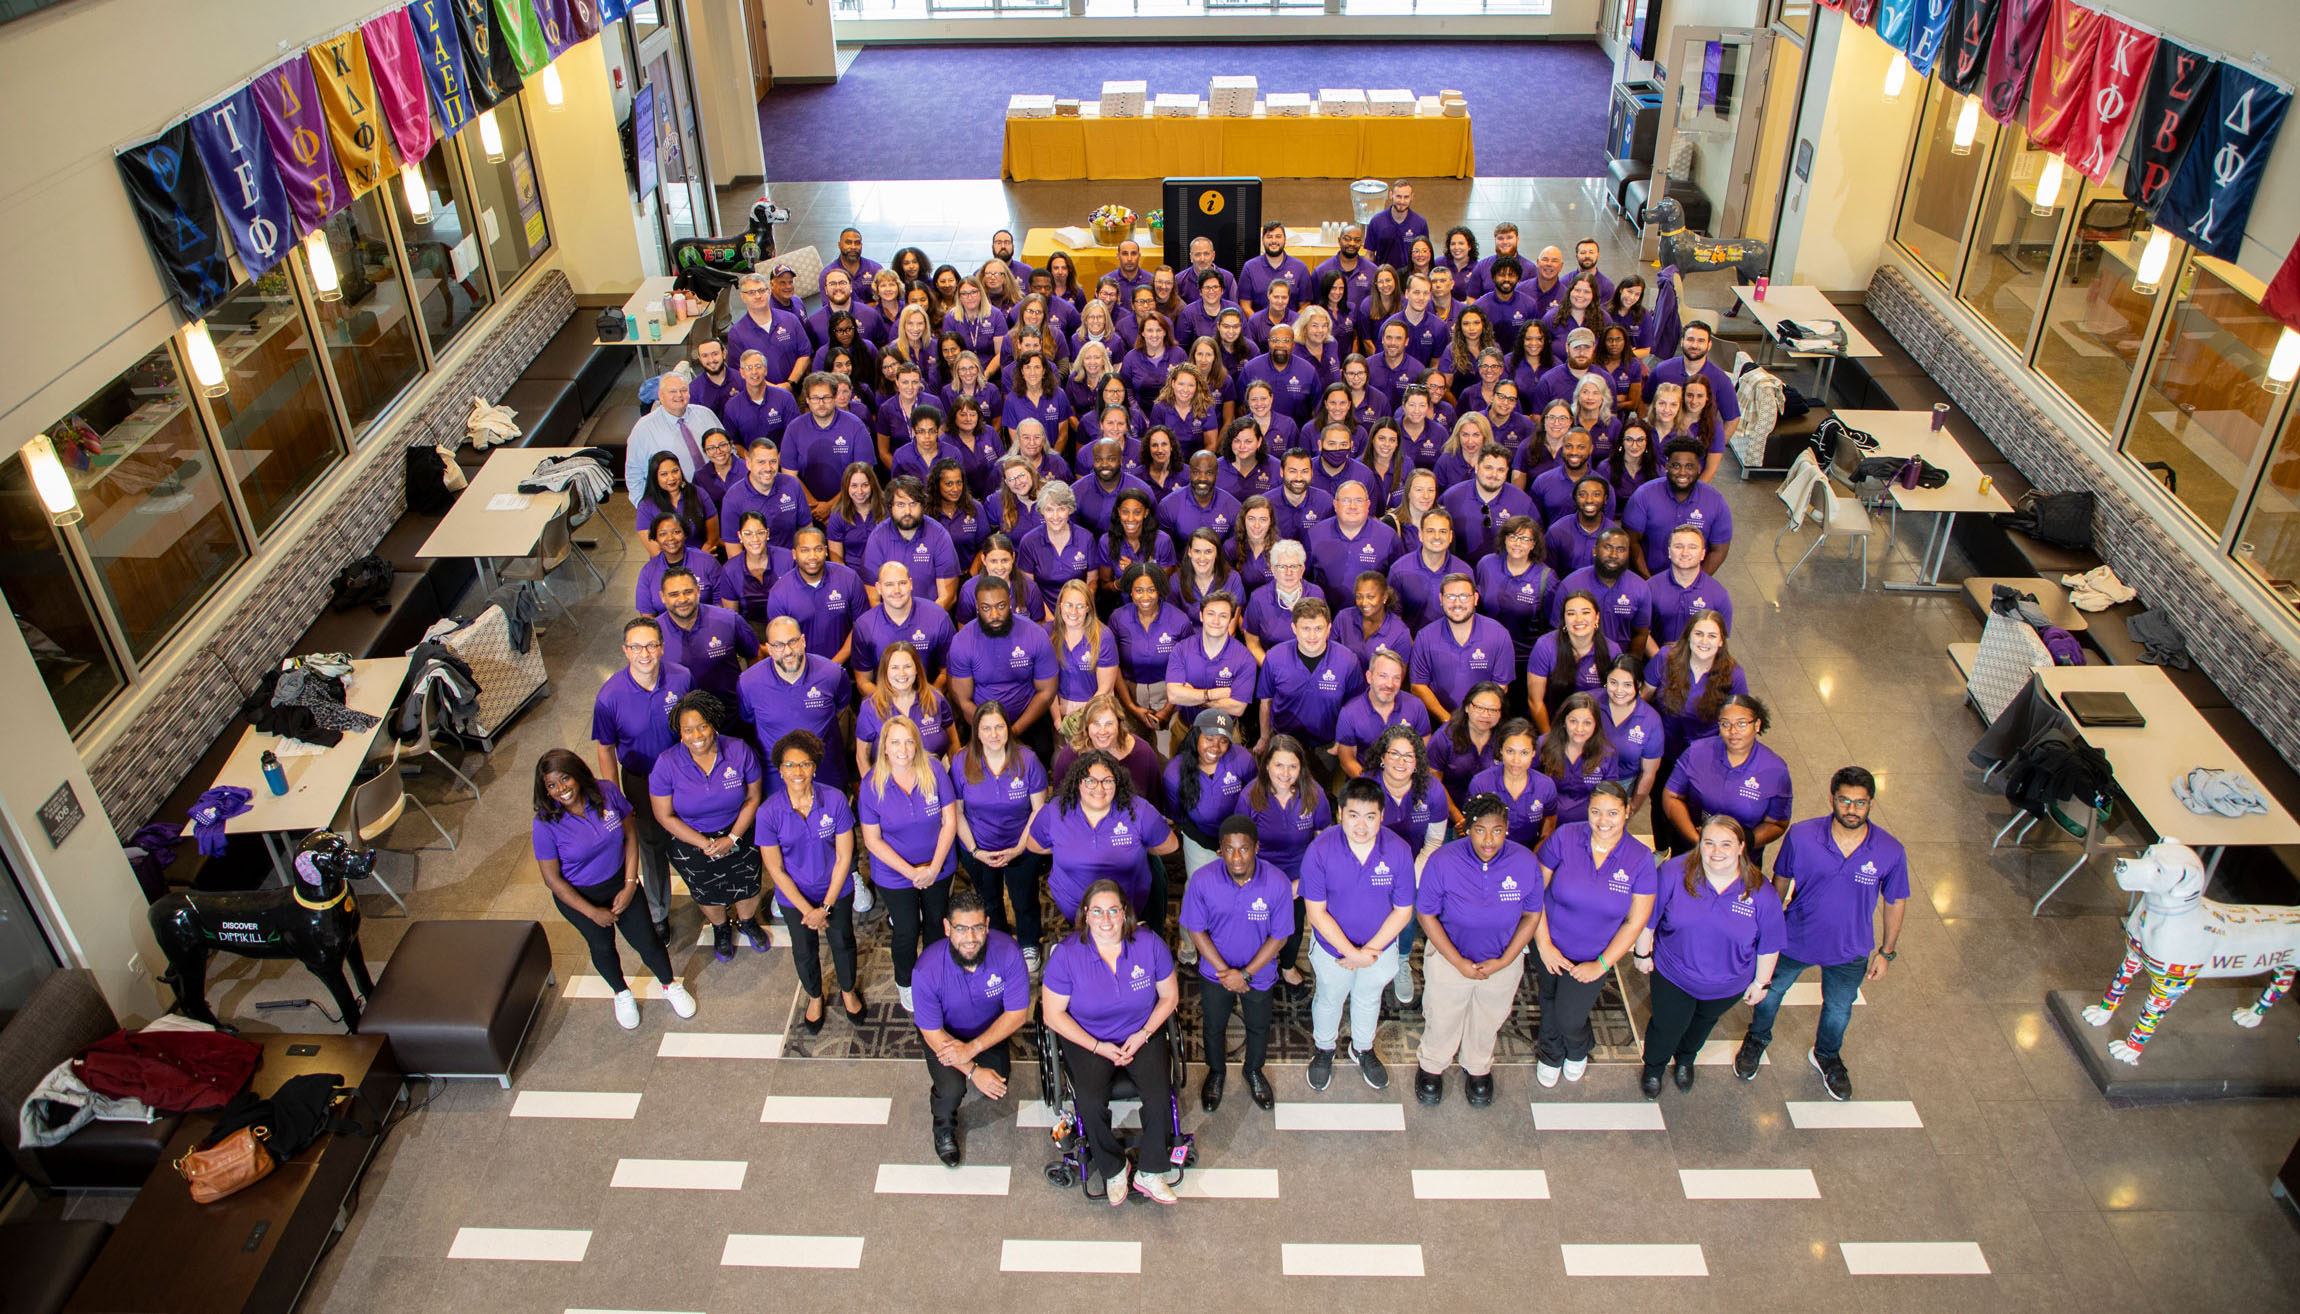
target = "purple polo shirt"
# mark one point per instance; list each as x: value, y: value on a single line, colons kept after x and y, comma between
x: 1123, y: 556
x: 1358, y: 894
x: 1291, y: 521
x: 1415, y: 583
x: 1050, y: 411
x: 784, y: 505
x: 705, y: 800
x: 749, y: 421
x: 636, y: 722
x: 997, y: 807
x: 870, y: 327
x: 1360, y: 725
x: 1256, y: 275
x: 928, y: 628
x: 1240, y: 917
x: 1190, y: 432
x: 1086, y: 852
x: 1623, y: 607
x: 1675, y: 605
x: 588, y: 848
x: 910, y: 821
x: 933, y: 728
x: 1458, y: 766
x: 1578, y: 776
x: 929, y: 553
x: 1520, y: 602
x: 812, y: 702
x: 701, y: 391
x: 807, y: 841
x: 1477, y: 520
x: 782, y: 340
x: 1053, y: 567
x: 1410, y: 818
x: 1552, y: 494
x: 1181, y: 515
x: 1256, y: 481
x: 820, y: 453
x: 1480, y: 903
x: 1079, y: 665
x: 1423, y: 449
x: 1359, y: 279
x: 1509, y: 317
x: 714, y: 651
x: 1588, y: 903
x: 1232, y: 666
x: 1572, y: 548
x: 1307, y: 697
x: 1449, y: 666
x: 825, y: 610
x: 1337, y: 558
x: 1832, y: 912
x: 1109, y: 1005
x: 1389, y: 238
x: 1005, y: 669
x: 980, y: 335
x: 966, y: 530
x: 1094, y: 504
x: 850, y: 537
x: 1268, y: 619
x: 1708, y: 944
x: 1146, y: 374
x: 1528, y: 810
x: 964, y: 1002
x: 1541, y: 660
x: 1654, y: 510
x: 1423, y: 340
x: 647, y: 594
x: 1293, y: 385
x: 1721, y: 393
x: 1029, y: 603
x: 1287, y: 831
x: 1217, y: 794
x: 1194, y: 323
x: 1555, y: 384
x: 864, y: 267
x: 1146, y: 648
x: 1637, y: 738
x: 1757, y: 790
x: 1353, y: 470
x: 1681, y: 724
x: 1350, y: 632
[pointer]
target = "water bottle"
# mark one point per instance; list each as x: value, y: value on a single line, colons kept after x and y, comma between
x: 1759, y: 287
x: 630, y: 327
x: 274, y: 775
x: 1940, y: 416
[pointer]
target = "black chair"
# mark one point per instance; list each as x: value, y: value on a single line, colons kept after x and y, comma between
x: 2103, y: 219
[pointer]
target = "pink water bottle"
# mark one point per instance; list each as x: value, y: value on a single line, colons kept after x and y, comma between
x: 1761, y: 282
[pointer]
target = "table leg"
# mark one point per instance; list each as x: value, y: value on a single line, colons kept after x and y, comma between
x: 1936, y: 556
x: 2092, y: 828
x: 487, y: 576
x: 283, y: 862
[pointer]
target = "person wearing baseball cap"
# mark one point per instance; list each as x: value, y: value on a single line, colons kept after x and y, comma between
x: 1203, y: 780
x: 1558, y: 381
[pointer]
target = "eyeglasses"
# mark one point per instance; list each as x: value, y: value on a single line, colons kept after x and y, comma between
x: 642, y: 647
x: 1494, y: 708
x: 1099, y: 782
x: 1860, y: 804
x: 797, y: 768
x: 1106, y: 914
x: 1398, y: 755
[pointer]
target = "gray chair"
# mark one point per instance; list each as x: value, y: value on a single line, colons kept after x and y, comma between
x: 553, y: 547
x: 1833, y: 515
x: 427, y: 740
x: 376, y: 805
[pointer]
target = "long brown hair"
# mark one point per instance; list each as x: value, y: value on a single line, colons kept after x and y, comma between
x: 1549, y: 750
x: 1677, y: 672
x: 1751, y: 878
x: 1126, y: 923
x: 929, y: 702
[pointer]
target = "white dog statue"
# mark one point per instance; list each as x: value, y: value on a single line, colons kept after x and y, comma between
x: 2183, y: 937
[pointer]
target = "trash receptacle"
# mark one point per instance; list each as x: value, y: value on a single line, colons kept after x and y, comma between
x: 1369, y: 197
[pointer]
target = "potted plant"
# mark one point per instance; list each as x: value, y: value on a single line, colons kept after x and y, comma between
x: 1112, y: 224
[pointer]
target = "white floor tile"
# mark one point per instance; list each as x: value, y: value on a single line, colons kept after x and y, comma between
x: 1307, y: 1260
x: 1749, y: 1184
x: 1341, y: 1117
x: 1634, y: 1261
x: 1642, y: 1115
x: 1480, y: 1184
x: 1070, y: 1256
x: 1038, y: 1115
x: 519, y: 1243
x: 680, y: 1174
x: 1229, y: 1184
x: 1830, y: 1115
x: 586, y: 986
x: 1808, y: 991
x: 934, y: 1179
x: 720, y: 1045
x: 756, y: 1250
x: 841, y: 1110
x: 619, y: 1105
x: 1718, y: 1053
x: 1878, y: 1258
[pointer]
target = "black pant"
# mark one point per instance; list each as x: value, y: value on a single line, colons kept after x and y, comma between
x: 1680, y: 1023
x: 949, y: 1084
x: 638, y: 929
x: 1091, y: 1077
x: 1020, y: 881
x: 1152, y: 913
x: 1215, y: 1002
x: 1290, y: 953
x: 1039, y: 739
x: 807, y: 944
x: 1565, y: 1004
x: 913, y: 915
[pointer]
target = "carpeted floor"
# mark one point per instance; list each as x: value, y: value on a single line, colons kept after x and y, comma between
x: 937, y: 111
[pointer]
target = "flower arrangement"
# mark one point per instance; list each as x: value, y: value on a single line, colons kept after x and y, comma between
x: 1112, y: 224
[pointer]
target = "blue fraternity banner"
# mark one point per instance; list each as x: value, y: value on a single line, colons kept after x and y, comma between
x: 2211, y: 193
x: 441, y: 50
x: 613, y: 10
x: 1929, y: 32
x: 230, y: 137
x: 1896, y: 19
x: 169, y: 190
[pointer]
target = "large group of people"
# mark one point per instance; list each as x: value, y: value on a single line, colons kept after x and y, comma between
x: 1268, y: 623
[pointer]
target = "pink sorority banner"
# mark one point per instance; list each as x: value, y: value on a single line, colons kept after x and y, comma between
x: 296, y: 128
x: 2122, y: 56
x: 2063, y: 74
x: 393, y: 58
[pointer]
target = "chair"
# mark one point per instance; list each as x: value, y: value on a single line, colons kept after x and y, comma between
x: 1837, y: 516
x: 2103, y: 219
x: 427, y: 741
x: 552, y: 549
x: 376, y: 805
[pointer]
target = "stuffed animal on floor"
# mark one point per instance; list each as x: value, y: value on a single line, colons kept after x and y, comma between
x: 1692, y: 253
x: 2182, y: 937
x: 315, y: 921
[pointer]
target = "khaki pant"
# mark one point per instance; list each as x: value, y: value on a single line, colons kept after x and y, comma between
x: 1463, y: 1016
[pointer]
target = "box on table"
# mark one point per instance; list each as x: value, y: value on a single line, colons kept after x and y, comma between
x: 1341, y: 102
x: 1390, y: 103
x: 1231, y: 96
x: 1125, y: 99
x: 1019, y: 106
x: 1175, y: 105
x: 1066, y: 109
x: 1287, y: 105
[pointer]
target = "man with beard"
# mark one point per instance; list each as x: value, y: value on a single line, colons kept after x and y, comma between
x: 1239, y: 911
x: 1457, y: 650
x: 1098, y: 492
x: 999, y: 657
x: 1624, y: 603
x: 838, y: 299
x: 1199, y: 504
x: 1552, y: 489
x: 1002, y: 248
x: 1292, y: 380
x: 712, y: 380
x: 1508, y: 306
x: 899, y: 618
x: 1479, y: 280
x: 712, y: 643
x: 1679, y: 498
x: 1297, y: 505
x: 908, y: 536
x: 1572, y: 542
x: 819, y: 445
x: 1585, y: 253
x: 1356, y: 269
x: 766, y: 488
x: 1129, y: 274
x: 631, y: 726
x: 1391, y: 235
x: 822, y: 595
x: 969, y: 994
x: 1693, y: 358
x: 795, y: 690
x: 1481, y: 504
x: 1337, y: 462
x: 777, y: 333
x: 1272, y: 266
x: 850, y: 262
x: 1558, y: 381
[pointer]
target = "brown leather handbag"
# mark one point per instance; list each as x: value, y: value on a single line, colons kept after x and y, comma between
x: 232, y: 1164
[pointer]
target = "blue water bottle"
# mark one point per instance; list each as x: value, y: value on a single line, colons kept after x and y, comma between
x: 274, y: 775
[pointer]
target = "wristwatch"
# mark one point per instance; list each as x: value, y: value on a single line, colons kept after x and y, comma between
x: 1888, y: 955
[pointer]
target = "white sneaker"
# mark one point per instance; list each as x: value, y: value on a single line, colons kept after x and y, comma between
x: 682, y: 1003
x: 1030, y: 959
x: 1403, y: 987
x: 1118, y: 1186
x: 1150, y: 1184
x: 863, y: 901
x: 1545, y: 1074
x: 627, y: 1010
x: 1574, y: 1068
x: 904, y: 991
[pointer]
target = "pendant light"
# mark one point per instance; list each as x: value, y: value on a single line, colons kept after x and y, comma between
x: 207, y: 366
x: 418, y: 192
x: 2153, y: 258
x: 2048, y: 187
x: 490, y: 138
x: 320, y: 259
x: 51, y: 481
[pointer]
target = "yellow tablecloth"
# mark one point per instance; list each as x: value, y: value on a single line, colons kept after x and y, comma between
x: 1089, y: 146
x: 1092, y: 261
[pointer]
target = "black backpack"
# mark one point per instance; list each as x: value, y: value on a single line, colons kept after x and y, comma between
x: 427, y: 490
x: 2061, y: 519
x: 366, y: 582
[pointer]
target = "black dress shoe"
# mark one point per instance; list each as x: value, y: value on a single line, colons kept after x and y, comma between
x: 1650, y: 1083
x: 663, y: 931
x: 1429, y: 1088
x: 946, y: 1146
x: 1210, y: 1094
x: 1683, y: 1074
x: 1258, y: 1087
x: 1291, y: 992
x: 814, y: 1025
x: 854, y: 1015
x: 1480, y: 1091
x: 1746, y: 1059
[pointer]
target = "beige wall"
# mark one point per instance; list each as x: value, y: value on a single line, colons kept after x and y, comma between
x: 586, y: 191
x: 799, y: 42
x: 728, y: 112
x: 1837, y: 223
x: 1569, y: 18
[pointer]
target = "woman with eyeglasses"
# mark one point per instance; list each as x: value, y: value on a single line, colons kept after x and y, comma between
x: 1729, y: 774
x: 1097, y: 829
x: 1465, y: 745
x: 806, y: 839
x: 1109, y: 991
x: 585, y: 836
x: 1598, y: 898
x: 909, y: 817
x: 1716, y: 935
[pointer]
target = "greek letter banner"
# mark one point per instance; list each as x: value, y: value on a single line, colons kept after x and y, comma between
x: 170, y: 193
x: 1927, y: 33
x: 2063, y: 74
x: 354, y: 118
x: 2121, y: 58
x: 230, y: 137
x: 485, y: 60
x: 296, y: 130
x: 561, y: 27
x: 399, y: 86
x: 1967, y: 64
x: 2212, y: 190
x: 440, y: 47
x: 517, y: 29
x: 2179, y: 91
x: 1863, y: 12
x: 1895, y: 20
x: 2020, y: 30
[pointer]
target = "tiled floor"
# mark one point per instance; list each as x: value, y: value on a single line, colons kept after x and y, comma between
x: 1978, y: 1170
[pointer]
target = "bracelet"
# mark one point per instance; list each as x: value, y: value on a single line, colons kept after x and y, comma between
x: 1604, y: 964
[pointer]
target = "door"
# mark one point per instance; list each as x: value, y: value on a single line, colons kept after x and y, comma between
x: 1717, y: 99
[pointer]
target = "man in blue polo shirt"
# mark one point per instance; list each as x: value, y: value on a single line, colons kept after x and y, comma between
x: 631, y: 724
x: 1238, y: 911
x: 908, y: 536
x: 969, y: 994
x: 1678, y: 498
x: 1831, y: 871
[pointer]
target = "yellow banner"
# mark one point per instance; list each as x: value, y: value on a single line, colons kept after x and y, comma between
x: 354, y: 117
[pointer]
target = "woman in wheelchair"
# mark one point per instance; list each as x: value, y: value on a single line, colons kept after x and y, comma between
x: 1108, y: 994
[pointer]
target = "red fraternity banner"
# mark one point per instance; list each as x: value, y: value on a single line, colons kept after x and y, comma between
x: 2063, y: 74
x: 2122, y: 57
x: 354, y: 117
x: 394, y: 59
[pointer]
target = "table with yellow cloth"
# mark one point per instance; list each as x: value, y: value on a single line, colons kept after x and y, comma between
x: 1360, y: 146
x: 1092, y: 261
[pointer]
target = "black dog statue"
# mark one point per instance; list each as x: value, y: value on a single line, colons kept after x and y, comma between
x: 315, y: 921
x: 1691, y: 253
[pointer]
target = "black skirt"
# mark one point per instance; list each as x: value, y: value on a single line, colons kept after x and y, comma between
x: 720, y: 881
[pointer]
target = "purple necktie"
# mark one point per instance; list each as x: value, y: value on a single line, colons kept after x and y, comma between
x: 694, y: 452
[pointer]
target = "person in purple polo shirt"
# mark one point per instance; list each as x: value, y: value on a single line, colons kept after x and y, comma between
x: 1508, y: 306
x: 1479, y: 900
x: 588, y: 853
x: 972, y: 994
x: 1480, y: 276
x: 631, y: 726
x: 1003, y: 658
x: 851, y: 262
x: 1238, y: 911
x: 1553, y: 487
x: 712, y: 380
x: 1098, y: 491
x: 1730, y: 773
x: 807, y: 841
x: 1351, y: 542
x: 713, y: 644
x: 1211, y: 289
x: 1427, y: 335
x: 705, y: 791
x: 909, y: 815
x: 1337, y: 463
x: 1394, y: 229
x: 1272, y: 266
x: 1714, y: 941
x: 1415, y: 576
x: 1295, y: 504
x: 777, y: 334
x: 820, y: 445
x: 1831, y: 872
x: 822, y: 595
x: 1357, y: 887
x: 1458, y: 650
x: 1200, y: 504
x: 757, y: 409
x: 1203, y: 781
x: 1108, y: 994
x: 909, y: 537
x: 1096, y: 828
x: 900, y: 617
x: 1693, y: 359
x: 764, y: 487
x: 795, y: 690
x: 1213, y: 668
x: 1624, y: 604
x: 1682, y: 589
x: 1384, y: 704
x: 1599, y: 888
x: 1269, y: 617
x: 1305, y: 682
x: 1291, y: 377
x: 1482, y: 504
x: 1679, y: 498
x: 1352, y: 263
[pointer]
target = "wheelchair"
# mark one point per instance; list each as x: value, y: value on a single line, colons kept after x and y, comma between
x: 1073, y: 1164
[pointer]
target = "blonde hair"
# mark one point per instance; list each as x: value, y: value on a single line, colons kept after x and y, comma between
x: 1469, y: 420
x: 1085, y: 594
x: 922, y: 766
x: 1318, y: 313
x: 901, y: 344
x: 1094, y: 707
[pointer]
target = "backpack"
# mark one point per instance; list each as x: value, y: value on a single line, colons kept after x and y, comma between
x: 366, y: 582
x: 427, y: 491
x: 610, y: 326
x: 2061, y: 519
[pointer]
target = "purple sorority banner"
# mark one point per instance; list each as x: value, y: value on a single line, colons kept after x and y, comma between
x: 296, y: 127
x: 230, y: 136
x: 399, y: 85
x: 559, y: 27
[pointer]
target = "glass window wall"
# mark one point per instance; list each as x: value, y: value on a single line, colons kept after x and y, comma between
x: 369, y: 330
x: 511, y: 222
x: 442, y: 251
x: 278, y: 427
x: 2096, y: 322
x: 2012, y: 245
x: 2202, y: 416
x: 1939, y: 198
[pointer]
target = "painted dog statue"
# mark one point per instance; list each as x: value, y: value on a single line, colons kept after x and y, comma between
x: 2182, y: 937
x: 1692, y: 253
x: 315, y: 921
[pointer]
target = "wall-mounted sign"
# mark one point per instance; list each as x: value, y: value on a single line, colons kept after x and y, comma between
x: 61, y: 814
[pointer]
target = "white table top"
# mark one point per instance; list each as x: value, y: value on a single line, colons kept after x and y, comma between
x: 317, y: 782
x: 650, y: 297
x: 471, y: 530
x: 1910, y: 433
x: 1804, y: 304
x: 2176, y: 739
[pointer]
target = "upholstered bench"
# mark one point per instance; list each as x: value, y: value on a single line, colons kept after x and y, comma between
x: 456, y: 999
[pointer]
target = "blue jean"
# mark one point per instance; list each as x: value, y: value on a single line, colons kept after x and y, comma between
x: 1840, y: 982
x: 1357, y: 991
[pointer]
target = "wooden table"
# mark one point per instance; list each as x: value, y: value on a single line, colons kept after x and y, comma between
x: 1423, y: 145
x: 470, y: 529
x: 1911, y: 433
x: 317, y: 782
x: 1091, y: 261
x: 1804, y: 304
x: 252, y: 1251
x: 2051, y: 598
